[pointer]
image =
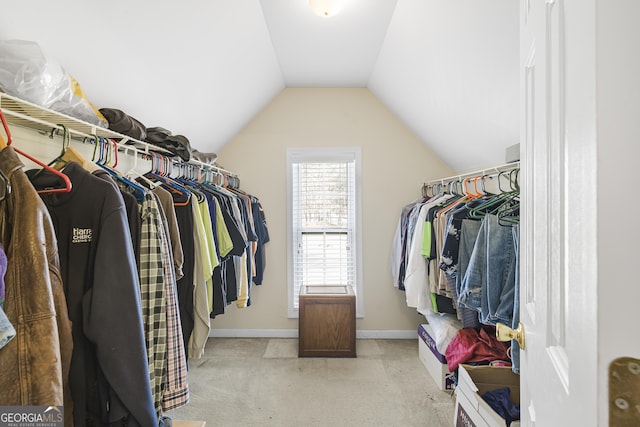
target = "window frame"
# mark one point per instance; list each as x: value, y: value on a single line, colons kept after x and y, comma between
x: 329, y: 154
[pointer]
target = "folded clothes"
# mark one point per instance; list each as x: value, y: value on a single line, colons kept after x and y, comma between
x: 121, y: 122
x: 178, y: 145
x: 209, y: 158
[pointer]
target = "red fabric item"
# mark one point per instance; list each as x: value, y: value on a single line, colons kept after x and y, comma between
x: 469, y: 345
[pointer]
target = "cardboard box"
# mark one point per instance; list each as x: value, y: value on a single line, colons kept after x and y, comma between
x: 473, y: 381
x: 433, y: 360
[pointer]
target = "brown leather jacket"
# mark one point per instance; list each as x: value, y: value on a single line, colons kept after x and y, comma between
x: 34, y: 366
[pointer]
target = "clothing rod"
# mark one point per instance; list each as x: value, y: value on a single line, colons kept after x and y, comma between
x: 176, y: 164
x: 208, y: 166
x: 148, y: 151
x: 493, y: 170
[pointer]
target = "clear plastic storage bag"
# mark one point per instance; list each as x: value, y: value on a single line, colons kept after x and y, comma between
x: 28, y: 73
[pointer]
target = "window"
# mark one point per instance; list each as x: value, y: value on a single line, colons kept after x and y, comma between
x: 323, y: 220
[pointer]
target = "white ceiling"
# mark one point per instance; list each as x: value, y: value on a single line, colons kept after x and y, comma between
x: 448, y: 69
x: 336, y: 52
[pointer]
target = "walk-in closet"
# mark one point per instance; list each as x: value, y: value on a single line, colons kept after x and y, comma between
x: 319, y: 213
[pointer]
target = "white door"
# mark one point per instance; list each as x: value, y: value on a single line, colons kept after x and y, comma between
x: 558, y: 298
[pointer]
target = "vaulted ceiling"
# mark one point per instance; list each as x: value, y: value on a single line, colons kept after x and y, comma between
x: 447, y: 69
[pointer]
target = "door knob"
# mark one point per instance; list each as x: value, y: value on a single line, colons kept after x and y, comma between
x: 505, y: 333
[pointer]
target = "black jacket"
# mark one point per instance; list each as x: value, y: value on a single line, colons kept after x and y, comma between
x: 109, y: 369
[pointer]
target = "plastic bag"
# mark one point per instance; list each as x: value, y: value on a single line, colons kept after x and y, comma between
x: 445, y: 327
x: 27, y: 73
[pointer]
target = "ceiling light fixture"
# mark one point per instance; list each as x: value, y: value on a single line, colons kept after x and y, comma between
x: 326, y: 8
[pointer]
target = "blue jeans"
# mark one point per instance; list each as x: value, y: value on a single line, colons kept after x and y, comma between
x: 515, y: 347
x: 468, y: 234
x: 7, y: 332
x: 489, y: 283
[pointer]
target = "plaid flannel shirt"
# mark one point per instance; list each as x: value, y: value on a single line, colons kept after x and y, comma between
x: 153, y: 295
x: 176, y: 387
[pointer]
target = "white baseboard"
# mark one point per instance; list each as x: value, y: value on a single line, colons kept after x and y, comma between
x: 293, y: 333
x: 387, y: 335
x: 254, y: 333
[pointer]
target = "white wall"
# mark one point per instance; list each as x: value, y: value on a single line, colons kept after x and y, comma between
x: 394, y: 165
x: 618, y: 128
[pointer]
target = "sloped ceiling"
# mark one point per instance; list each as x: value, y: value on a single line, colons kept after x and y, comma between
x: 448, y: 69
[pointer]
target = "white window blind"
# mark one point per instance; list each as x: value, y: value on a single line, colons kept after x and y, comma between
x: 323, y: 222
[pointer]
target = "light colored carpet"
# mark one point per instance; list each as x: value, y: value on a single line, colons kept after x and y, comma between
x: 262, y: 382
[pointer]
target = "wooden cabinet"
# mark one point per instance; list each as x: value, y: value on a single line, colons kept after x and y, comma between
x: 327, y: 322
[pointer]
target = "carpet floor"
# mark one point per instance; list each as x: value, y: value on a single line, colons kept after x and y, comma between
x: 262, y: 382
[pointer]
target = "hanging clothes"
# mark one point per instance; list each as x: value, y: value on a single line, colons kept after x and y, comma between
x: 109, y: 373
x: 470, y: 251
x: 489, y: 282
x: 226, y: 238
x: 34, y: 298
x: 166, y: 202
x: 262, y: 232
x: 471, y: 243
x: 186, y: 284
x: 245, y: 202
x: 163, y: 331
x: 416, y: 283
x: 399, y: 246
x: 203, y: 273
x: 415, y: 236
x: 236, y: 242
x: 153, y: 296
x: 224, y: 285
x: 175, y: 388
x: 132, y: 289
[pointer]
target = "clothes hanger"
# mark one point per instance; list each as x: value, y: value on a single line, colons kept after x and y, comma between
x: 95, y: 147
x: 115, y: 153
x: 509, y: 213
x: 104, y: 162
x: 158, y: 172
x: 138, y: 191
x: 490, y: 203
x: 467, y: 196
x: 514, y: 180
x: 509, y: 216
x: 189, y: 182
x: 511, y: 196
x: 65, y: 178
x: 138, y: 177
x: 68, y: 153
